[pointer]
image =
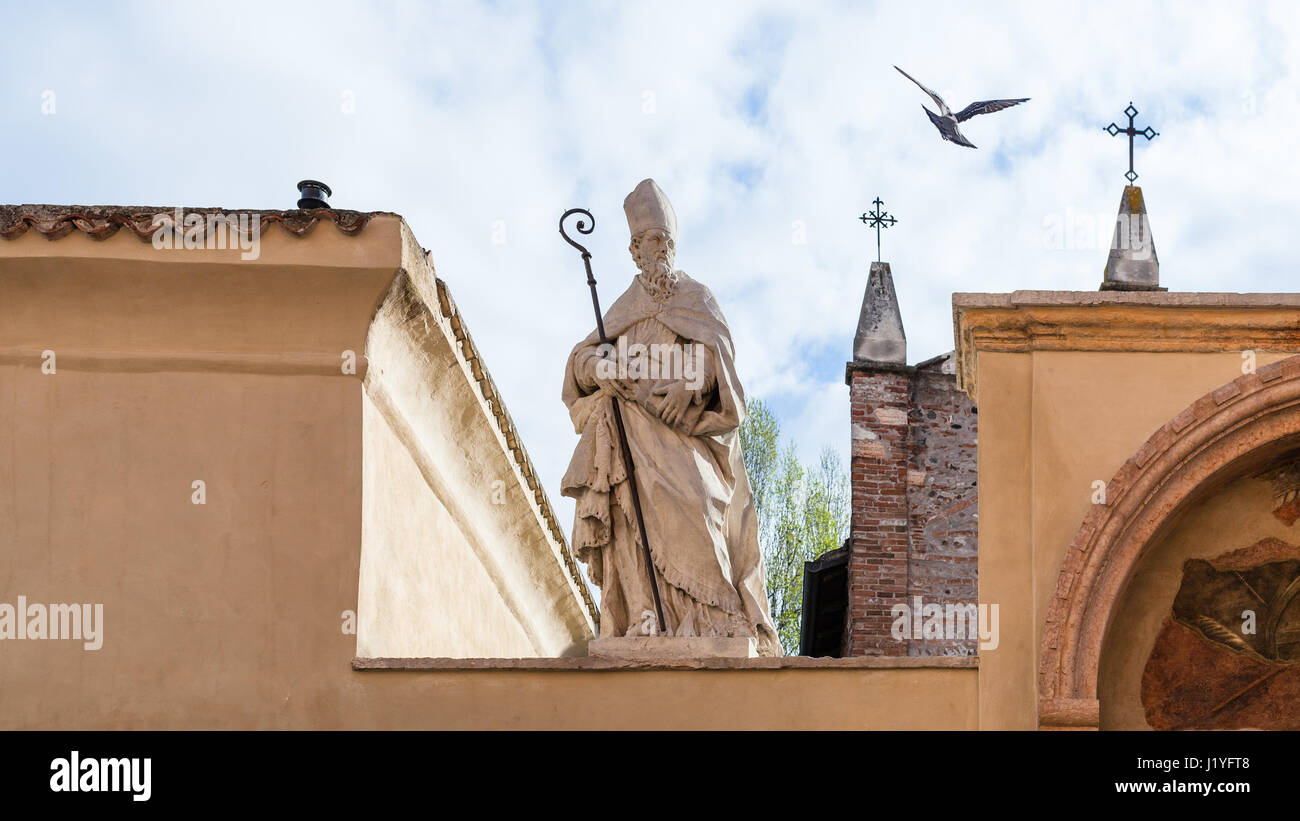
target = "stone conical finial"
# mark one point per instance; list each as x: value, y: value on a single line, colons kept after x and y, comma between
x: 1132, y: 264
x: 880, y: 326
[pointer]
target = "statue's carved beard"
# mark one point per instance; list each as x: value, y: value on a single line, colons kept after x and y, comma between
x: 659, y: 277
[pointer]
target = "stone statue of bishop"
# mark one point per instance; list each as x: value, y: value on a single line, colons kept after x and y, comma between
x: 672, y: 369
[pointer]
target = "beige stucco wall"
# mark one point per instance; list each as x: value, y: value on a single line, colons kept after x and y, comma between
x: 861, y: 698
x: 1051, y: 423
x: 221, y: 609
x: 457, y: 558
x: 421, y: 573
x: 184, y: 365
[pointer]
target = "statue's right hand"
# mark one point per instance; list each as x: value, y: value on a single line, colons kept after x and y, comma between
x: 615, y: 386
x: 606, y: 378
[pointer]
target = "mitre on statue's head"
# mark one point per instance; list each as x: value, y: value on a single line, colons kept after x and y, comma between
x: 648, y: 207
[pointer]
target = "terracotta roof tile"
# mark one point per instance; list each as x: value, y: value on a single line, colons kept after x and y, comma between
x: 103, y: 221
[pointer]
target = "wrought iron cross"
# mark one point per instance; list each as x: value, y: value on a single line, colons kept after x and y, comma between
x: 877, y: 219
x: 1131, y: 132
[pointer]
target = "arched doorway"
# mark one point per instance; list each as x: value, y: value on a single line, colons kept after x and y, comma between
x: 1231, y: 432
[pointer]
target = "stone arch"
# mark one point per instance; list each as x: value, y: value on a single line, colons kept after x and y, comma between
x: 1224, y: 434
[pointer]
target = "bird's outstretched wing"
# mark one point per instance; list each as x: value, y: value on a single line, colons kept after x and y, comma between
x: 986, y: 107
x: 943, y: 107
x: 947, y: 128
x: 961, y: 140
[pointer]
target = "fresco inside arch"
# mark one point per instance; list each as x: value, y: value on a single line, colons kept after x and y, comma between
x: 1228, y: 655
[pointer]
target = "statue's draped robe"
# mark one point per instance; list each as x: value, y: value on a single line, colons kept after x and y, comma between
x: 694, y: 492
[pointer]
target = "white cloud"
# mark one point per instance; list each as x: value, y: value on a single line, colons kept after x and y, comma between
x: 764, y: 113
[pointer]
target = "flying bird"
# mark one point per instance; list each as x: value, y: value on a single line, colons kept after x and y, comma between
x: 946, y: 121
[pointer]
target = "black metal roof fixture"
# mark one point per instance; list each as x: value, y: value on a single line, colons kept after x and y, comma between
x: 1131, y: 132
x: 314, y: 194
x: 878, y: 219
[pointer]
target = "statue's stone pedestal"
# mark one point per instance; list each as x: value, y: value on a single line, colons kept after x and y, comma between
x: 659, y: 648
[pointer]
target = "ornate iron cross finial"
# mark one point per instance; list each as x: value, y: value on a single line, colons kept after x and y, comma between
x: 1131, y: 132
x: 877, y: 219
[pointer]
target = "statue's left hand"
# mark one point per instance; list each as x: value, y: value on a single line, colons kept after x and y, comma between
x: 677, y: 398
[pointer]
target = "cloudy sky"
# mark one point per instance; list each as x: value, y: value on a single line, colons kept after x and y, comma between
x: 772, y: 127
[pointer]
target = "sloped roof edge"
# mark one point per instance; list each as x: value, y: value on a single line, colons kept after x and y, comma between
x: 492, y: 396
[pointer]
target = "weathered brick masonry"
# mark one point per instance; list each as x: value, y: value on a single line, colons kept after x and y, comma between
x: 878, y: 573
x: 913, y: 531
x: 913, y: 482
x: 941, y: 496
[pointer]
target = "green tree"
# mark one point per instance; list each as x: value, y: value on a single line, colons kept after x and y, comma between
x: 802, y: 513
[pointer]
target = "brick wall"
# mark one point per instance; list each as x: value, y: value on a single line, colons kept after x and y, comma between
x: 879, y: 527
x: 941, y: 500
x: 913, y: 531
